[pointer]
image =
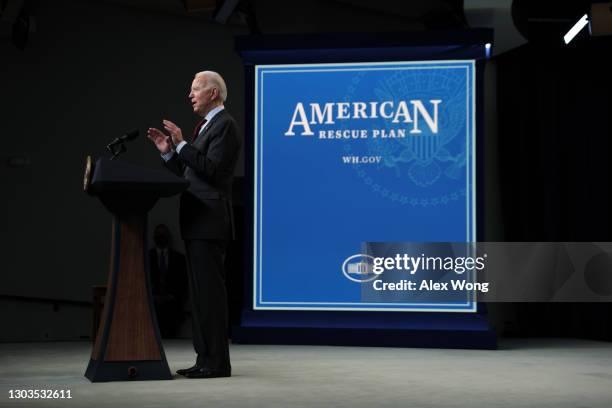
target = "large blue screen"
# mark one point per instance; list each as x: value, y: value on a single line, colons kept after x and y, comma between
x: 347, y: 154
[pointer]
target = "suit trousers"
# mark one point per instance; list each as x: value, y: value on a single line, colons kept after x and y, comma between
x: 206, y: 258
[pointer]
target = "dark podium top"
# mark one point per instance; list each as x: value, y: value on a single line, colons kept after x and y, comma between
x: 126, y: 188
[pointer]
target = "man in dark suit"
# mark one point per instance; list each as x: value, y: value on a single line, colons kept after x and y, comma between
x: 208, y: 162
x: 168, y: 282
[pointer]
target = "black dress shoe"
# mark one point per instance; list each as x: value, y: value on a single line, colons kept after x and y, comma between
x: 205, y: 372
x: 184, y: 371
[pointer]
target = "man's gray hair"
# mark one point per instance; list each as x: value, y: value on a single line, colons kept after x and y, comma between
x: 216, y: 80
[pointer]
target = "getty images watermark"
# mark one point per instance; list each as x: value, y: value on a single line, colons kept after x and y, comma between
x: 364, y: 268
x: 436, y: 272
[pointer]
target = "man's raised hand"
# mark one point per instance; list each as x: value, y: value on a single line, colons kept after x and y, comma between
x: 175, y: 131
x: 161, y: 140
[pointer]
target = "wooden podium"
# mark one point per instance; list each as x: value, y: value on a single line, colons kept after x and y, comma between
x: 128, y: 344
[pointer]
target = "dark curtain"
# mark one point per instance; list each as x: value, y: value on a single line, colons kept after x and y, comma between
x: 555, y: 126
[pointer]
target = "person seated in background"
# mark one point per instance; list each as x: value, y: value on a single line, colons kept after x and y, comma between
x: 168, y: 282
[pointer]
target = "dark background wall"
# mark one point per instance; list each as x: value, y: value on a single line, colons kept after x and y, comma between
x: 89, y: 73
x: 553, y: 158
x: 92, y: 72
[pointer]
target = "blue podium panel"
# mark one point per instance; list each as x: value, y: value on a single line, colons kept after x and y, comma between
x: 348, y: 154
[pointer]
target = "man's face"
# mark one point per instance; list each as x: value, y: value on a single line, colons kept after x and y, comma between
x: 201, y: 96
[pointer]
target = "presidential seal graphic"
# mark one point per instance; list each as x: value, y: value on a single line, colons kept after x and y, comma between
x: 424, y: 150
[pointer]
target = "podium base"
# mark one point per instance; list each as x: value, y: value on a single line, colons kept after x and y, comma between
x: 104, y: 371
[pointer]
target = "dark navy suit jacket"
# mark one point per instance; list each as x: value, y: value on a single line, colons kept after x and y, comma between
x: 208, y: 164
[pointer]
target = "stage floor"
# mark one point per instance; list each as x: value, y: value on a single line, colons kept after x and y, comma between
x: 522, y: 373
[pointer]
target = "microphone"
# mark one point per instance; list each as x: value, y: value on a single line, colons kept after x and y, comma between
x: 131, y: 135
x: 116, y: 147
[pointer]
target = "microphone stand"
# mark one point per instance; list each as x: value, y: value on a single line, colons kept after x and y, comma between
x: 116, y: 147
